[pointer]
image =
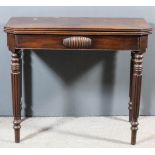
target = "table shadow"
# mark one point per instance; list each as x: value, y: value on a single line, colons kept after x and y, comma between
x: 63, y: 121
x: 70, y: 65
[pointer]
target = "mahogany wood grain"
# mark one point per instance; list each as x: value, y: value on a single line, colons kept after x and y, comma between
x: 61, y: 33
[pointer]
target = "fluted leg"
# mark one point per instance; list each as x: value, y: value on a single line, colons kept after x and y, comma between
x: 137, y: 60
x: 130, y: 88
x: 16, y: 93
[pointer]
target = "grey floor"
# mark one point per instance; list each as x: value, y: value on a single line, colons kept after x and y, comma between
x: 77, y: 132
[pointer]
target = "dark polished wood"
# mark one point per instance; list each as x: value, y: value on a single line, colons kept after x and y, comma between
x: 136, y: 91
x: 16, y: 92
x: 130, y: 88
x: 126, y: 34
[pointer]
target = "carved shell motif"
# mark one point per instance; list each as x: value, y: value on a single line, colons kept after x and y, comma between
x: 77, y: 42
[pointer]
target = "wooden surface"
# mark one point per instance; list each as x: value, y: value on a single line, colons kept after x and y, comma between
x: 55, y: 42
x: 79, y: 34
x: 18, y: 24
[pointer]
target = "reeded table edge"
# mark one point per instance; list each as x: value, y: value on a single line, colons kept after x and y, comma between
x: 77, y: 31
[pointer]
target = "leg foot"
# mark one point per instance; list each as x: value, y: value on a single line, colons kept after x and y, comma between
x: 17, y: 130
x: 17, y: 136
x: 134, y: 128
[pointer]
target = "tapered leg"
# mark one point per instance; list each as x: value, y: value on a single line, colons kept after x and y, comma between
x: 16, y: 92
x: 130, y: 88
x: 137, y: 60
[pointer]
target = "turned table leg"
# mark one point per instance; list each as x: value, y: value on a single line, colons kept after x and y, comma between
x: 16, y: 92
x: 137, y: 60
x: 130, y: 88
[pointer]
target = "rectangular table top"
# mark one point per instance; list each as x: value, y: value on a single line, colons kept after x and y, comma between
x: 74, y: 23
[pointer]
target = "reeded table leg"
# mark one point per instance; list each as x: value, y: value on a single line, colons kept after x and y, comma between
x: 137, y: 59
x: 130, y: 88
x: 16, y: 92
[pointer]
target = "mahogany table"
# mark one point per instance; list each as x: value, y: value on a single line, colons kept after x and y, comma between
x: 103, y: 34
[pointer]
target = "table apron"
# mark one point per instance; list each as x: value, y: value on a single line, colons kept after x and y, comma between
x: 47, y: 41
